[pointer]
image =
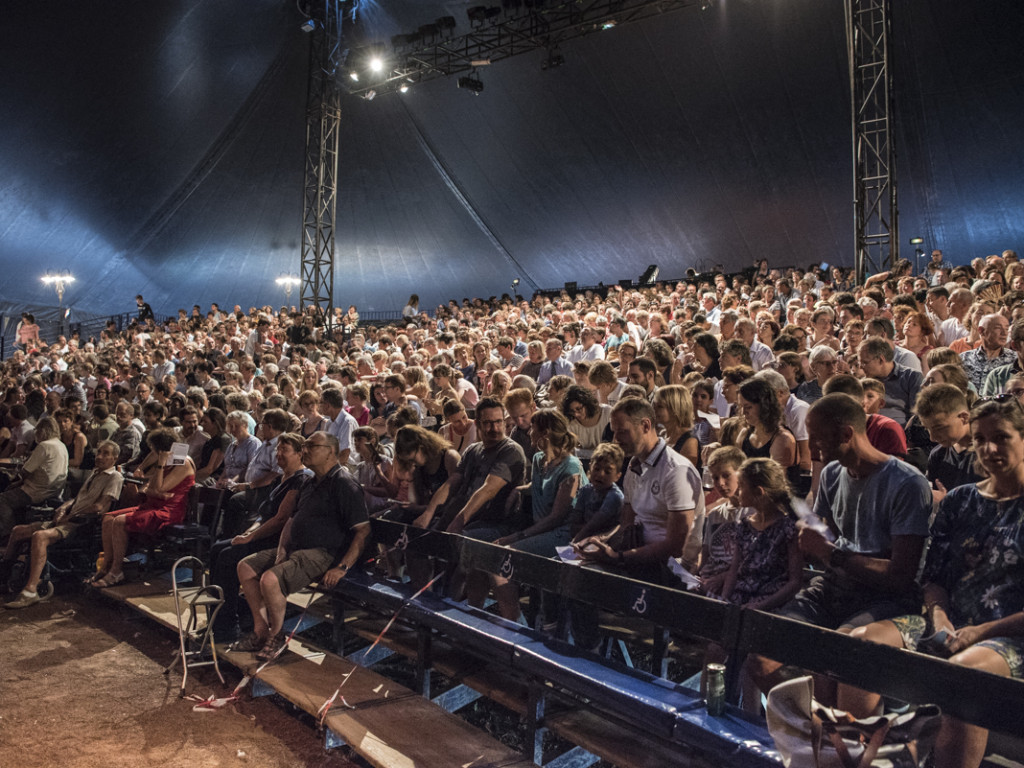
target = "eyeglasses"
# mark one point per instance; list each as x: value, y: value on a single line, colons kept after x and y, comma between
x: 1002, y: 399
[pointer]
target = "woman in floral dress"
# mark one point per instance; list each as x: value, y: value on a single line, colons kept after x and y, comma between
x: 973, y: 580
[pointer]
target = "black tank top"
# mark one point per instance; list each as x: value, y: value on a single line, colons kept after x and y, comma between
x: 765, y: 451
x: 430, y: 482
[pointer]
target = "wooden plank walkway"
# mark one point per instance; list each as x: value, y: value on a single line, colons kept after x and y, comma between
x: 387, y: 724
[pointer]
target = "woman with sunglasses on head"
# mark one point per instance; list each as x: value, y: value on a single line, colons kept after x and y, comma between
x: 973, y: 579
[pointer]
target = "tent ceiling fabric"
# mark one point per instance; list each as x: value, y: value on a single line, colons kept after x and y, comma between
x: 160, y: 150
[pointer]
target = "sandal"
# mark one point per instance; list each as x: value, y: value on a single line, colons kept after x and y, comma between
x: 250, y: 643
x: 274, y: 646
x: 109, y: 581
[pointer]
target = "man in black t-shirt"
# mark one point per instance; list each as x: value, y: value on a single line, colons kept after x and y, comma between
x: 479, y: 495
x: 329, y: 526
x: 145, y: 311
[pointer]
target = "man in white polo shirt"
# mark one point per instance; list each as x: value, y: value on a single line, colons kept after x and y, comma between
x: 662, y: 492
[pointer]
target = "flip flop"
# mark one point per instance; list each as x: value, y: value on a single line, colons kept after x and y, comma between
x: 109, y: 581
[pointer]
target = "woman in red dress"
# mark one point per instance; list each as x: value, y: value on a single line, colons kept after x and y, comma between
x: 166, y: 491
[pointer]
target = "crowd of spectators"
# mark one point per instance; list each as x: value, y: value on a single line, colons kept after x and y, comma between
x: 716, y: 434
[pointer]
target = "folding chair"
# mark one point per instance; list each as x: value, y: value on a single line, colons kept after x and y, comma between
x: 195, y: 641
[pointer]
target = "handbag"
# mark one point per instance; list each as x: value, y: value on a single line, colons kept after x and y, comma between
x: 809, y: 735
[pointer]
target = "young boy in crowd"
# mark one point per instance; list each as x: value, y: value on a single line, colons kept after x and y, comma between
x: 599, y: 502
x: 943, y: 411
x: 884, y: 433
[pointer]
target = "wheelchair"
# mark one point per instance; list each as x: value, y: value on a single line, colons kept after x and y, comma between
x: 69, y: 560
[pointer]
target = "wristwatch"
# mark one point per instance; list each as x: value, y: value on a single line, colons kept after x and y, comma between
x: 342, y: 566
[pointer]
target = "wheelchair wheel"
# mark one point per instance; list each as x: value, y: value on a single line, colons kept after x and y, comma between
x: 45, y: 590
x: 16, y: 576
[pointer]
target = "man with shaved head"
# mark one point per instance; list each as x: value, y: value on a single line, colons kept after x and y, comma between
x: 875, y: 508
x: 992, y: 353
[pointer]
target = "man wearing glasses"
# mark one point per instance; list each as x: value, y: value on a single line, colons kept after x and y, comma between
x: 476, y: 496
x: 263, y: 471
x: 321, y: 541
x: 997, y: 379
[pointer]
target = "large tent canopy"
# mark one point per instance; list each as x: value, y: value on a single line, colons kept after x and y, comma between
x: 159, y: 149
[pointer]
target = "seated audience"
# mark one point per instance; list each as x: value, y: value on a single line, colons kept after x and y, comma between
x: 973, y: 584
x: 719, y: 539
x: 166, y: 491
x: 322, y: 541
x: 556, y: 479
x: 40, y: 478
x: 876, y: 507
x: 101, y: 488
x: 265, y: 533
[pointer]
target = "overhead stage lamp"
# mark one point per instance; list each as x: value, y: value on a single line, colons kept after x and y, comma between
x: 60, y: 282
x: 478, y: 14
x: 354, y: 75
x: 918, y: 252
x: 308, y: 25
x: 472, y: 84
x: 553, y: 60
x: 287, y: 282
x: 403, y: 88
x: 376, y: 64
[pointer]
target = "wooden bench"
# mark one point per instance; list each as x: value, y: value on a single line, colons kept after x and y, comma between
x: 385, y: 723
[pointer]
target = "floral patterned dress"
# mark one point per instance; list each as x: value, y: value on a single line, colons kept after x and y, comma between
x: 977, y: 556
x: 764, y: 559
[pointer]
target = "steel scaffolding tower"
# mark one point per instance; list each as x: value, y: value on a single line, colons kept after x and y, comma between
x: 868, y: 39
x: 323, y: 118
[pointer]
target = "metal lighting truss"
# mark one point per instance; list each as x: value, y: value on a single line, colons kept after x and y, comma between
x: 501, y: 32
x: 869, y: 38
x: 323, y: 119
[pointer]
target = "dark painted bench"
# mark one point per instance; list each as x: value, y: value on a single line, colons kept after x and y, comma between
x: 637, y: 705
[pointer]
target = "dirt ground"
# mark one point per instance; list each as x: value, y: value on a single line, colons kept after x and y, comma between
x: 81, y: 686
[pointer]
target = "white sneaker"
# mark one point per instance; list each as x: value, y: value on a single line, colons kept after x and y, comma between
x: 25, y: 599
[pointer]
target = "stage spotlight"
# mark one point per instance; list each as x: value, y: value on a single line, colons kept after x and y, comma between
x: 376, y: 64
x: 308, y: 25
x: 354, y: 75
x: 916, y: 240
x: 370, y: 95
x: 650, y: 275
x: 478, y: 14
x: 472, y: 84
x: 403, y: 88
x: 553, y: 60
